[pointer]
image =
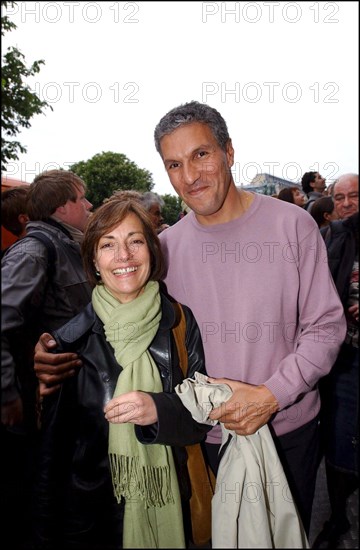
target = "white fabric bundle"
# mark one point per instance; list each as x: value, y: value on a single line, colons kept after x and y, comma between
x: 252, y: 506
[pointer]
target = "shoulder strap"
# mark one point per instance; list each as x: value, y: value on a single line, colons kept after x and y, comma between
x: 179, y: 332
x: 202, y: 479
x: 49, y: 245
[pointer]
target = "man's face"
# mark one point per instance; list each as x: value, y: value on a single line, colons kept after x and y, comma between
x: 77, y: 213
x: 346, y: 196
x: 198, y: 168
x: 155, y: 214
x: 319, y: 183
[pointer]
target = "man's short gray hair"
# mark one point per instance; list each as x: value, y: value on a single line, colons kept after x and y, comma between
x: 189, y: 113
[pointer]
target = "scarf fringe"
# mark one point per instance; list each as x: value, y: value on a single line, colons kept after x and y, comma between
x: 133, y: 481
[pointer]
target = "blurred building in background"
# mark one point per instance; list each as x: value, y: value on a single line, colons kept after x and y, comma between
x: 266, y: 184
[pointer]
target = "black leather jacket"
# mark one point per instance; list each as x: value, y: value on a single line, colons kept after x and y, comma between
x: 342, y: 242
x: 74, y: 502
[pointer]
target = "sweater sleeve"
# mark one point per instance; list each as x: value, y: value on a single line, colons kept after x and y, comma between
x: 321, y: 327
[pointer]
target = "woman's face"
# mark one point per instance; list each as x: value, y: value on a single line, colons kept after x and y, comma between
x: 123, y: 259
x: 299, y: 198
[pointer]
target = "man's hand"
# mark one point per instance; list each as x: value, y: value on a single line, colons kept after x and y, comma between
x: 248, y: 409
x: 12, y: 413
x: 136, y: 407
x: 53, y: 368
x: 162, y: 227
x: 354, y: 311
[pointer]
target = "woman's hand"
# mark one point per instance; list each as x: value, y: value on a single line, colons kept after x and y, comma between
x: 136, y: 407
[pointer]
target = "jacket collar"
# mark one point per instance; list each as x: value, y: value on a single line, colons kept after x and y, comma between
x: 59, y: 226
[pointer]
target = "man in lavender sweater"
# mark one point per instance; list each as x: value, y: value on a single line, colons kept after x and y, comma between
x: 254, y: 272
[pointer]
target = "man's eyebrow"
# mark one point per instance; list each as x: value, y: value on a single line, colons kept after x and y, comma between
x: 346, y: 194
x: 196, y: 150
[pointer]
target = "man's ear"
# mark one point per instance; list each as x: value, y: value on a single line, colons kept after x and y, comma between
x: 61, y: 209
x: 61, y: 212
x: 23, y: 219
x: 230, y: 153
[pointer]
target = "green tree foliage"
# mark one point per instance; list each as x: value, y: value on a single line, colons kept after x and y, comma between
x: 107, y: 172
x: 171, y: 210
x: 18, y: 103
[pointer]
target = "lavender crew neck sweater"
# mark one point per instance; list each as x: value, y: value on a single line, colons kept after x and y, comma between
x: 263, y: 297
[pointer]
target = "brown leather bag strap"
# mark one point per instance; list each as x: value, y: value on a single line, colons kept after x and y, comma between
x: 201, y: 477
x: 179, y: 332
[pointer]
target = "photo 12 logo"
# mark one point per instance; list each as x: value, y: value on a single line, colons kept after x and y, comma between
x: 89, y: 92
x: 270, y: 92
x: 270, y: 12
x: 73, y: 12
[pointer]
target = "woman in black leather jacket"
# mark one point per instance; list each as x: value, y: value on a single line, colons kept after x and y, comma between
x: 75, y: 506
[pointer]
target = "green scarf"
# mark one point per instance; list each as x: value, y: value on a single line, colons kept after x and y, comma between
x: 144, y: 475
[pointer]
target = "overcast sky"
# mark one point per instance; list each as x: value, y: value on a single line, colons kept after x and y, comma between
x: 283, y: 74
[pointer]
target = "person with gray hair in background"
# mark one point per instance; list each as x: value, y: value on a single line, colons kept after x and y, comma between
x: 339, y: 390
x: 153, y: 203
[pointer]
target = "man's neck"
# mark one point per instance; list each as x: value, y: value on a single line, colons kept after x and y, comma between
x: 235, y: 205
x: 76, y: 234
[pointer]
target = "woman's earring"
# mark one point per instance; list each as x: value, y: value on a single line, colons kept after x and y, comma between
x: 98, y: 273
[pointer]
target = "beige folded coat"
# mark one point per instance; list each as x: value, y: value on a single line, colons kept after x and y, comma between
x: 252, y: 506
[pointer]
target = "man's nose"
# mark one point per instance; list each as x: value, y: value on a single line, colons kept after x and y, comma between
x: 191, y: 173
